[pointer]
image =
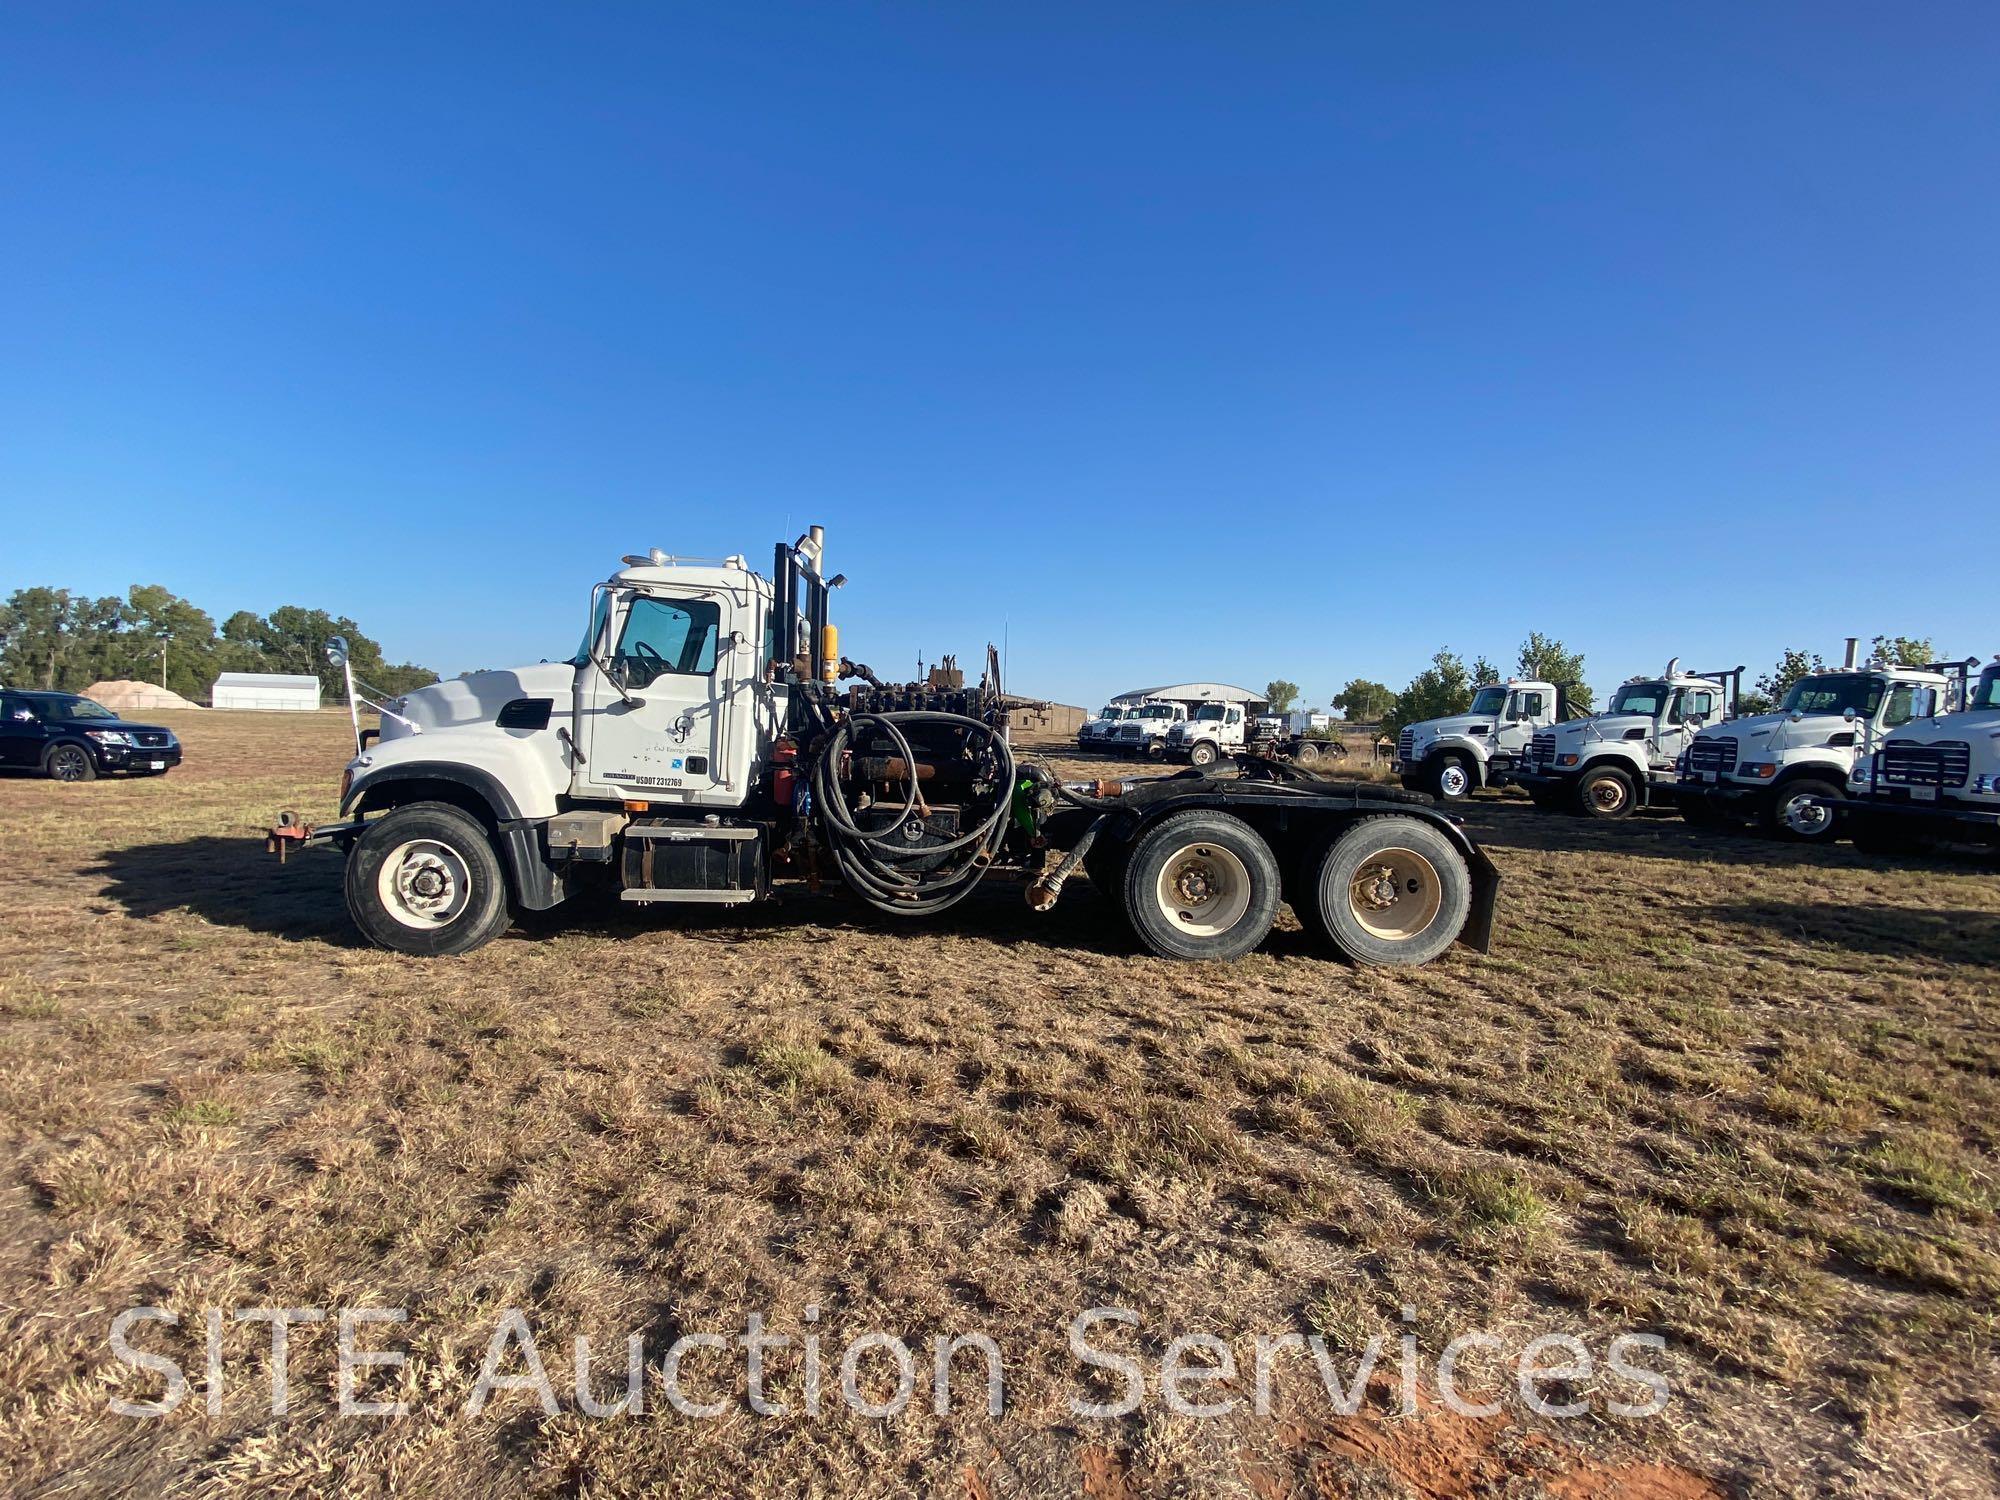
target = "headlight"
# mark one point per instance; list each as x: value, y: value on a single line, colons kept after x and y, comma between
x: 1566, y: 760
x: 109, y: 736
x: 1761, y: 770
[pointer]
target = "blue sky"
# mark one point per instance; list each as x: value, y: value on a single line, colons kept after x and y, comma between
x: 1169, y: 340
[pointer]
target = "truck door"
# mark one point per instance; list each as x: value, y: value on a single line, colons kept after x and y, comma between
x: 1527, y: 711
x: 651, y: 719
x: 1687, y: 710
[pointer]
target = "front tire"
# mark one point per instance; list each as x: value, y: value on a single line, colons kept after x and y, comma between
x: 1203, y: 754
x: 1451, y: 778
x: 1606, y: 792
x: 1792, y: 815
x: 1386, y: 890
x: 70, y: 763
x: 1201, y: 885
x: 424, y: 879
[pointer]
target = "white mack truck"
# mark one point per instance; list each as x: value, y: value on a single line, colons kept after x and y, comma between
x: 1451, y: 758
x: 1932, y: 779
x: 1789, y: 769
x: 698, y: 749
x: 1625, y: 758
x: 1095, y: 732
x: 1218, y: 730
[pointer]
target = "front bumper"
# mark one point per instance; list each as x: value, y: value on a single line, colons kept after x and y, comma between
x: 1944, y: 818
x: 1739, y: 797
x: 137, y: 760
x: 1520, y: 776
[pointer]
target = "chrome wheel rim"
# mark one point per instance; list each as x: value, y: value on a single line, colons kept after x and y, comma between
x: 1453, y: 782
x: 424, y: 884
x: 1395, y: 895
x: 1608, y: 794
x: 1203, y: 890
x: 1806, y: 817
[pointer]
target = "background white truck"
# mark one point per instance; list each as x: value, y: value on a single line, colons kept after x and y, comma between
x: 1788, y: 769
x: 1215, y: 730
x: 1095, y: 732
x: 1932, y: 779
x: 1612, y: 763
x: 698, y: 750
x: 1454, y: 756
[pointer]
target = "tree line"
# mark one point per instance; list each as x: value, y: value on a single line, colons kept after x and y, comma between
x: 54, y: 639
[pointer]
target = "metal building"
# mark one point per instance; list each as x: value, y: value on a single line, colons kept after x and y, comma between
x: 265, y: 690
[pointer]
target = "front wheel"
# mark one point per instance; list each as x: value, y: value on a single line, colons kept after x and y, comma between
x: 1802, y: 811
x: 1451, y: 779
x: 1201, y: 885
x: 424, y: 879
x: 70, y: 763
x: 1203, y: 754
x: 1606, y: 792
x: 1386, y: 890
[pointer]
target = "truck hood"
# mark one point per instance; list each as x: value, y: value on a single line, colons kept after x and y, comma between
x: 1431, y: 729
x: 1776, y: 731
x: 478, y: 697
x: 1601, y: 727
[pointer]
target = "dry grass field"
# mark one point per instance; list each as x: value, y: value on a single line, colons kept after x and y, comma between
x: 1704, y: 1087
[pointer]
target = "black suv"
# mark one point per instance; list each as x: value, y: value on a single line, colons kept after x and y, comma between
x: 72, y: 739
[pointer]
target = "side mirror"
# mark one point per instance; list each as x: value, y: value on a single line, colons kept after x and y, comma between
x: 1849, y: 715
x: 336, y: 650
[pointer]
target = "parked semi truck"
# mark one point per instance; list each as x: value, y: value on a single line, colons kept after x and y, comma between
x: 1625, y: 758
x: 1787, y: 770
x: 698, y: 749
x: 1933, y: 779
x: 1218, y: 730
x: 1095, y: 732
x: 1142, y: 733
x: 1453, y: 757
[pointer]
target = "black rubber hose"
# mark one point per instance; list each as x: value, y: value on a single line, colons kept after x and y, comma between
x: 867, y: 858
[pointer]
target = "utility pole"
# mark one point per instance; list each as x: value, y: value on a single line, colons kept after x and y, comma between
x: 163, y: 660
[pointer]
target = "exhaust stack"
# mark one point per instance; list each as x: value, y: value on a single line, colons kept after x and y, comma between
x: 1853, y: 652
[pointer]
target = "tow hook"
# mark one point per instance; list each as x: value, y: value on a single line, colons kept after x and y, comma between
x: 288, y: 834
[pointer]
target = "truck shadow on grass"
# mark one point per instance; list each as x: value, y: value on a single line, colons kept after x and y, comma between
x: 232, y: 883
x: 1945, y: 938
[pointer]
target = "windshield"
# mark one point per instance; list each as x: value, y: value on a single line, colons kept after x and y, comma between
x: 1834, y: 693
x: 1208, y: 713
x: 1157, y: 711
x: 1111, y: 713
x: 1488, y: 700
x: 1987, y: 693
x: 594, y: 631
x: 1639, y: 698
x: 74, y: 708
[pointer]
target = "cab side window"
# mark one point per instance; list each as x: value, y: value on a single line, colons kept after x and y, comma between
x: 1692, y: 705
x: 662, y: 636
x: 1907, y: 701
x: 1235, y: 716
x: 1527, y: 706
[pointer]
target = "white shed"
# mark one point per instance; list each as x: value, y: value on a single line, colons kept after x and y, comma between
x: 271, y: 690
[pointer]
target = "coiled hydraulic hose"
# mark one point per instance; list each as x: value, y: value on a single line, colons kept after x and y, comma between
x: 871, y: 860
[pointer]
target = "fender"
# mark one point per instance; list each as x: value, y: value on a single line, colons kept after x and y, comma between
x: 1822, y: 770
x: 1464, y: 746
x: 518, y: 840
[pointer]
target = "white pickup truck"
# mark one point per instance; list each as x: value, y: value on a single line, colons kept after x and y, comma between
x: 1454, y: 756
x: 1626, y: 757
x: 1787, y: 770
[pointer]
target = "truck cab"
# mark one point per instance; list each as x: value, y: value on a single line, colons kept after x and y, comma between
x: 1625, y: 758
x: 1933, y: 778
x: 1211, y: 732
x: 1453, y: 757
x: 1096, y: 732
x: 1787, y: 770
x: 1143, y: 731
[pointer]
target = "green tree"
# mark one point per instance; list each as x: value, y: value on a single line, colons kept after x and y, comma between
x: 1442, y: 688
x: 1484, y: 673
x: 1281, y: 695
x: 1903, y: 651
x: 158, y: 621
x: 1364, y: 702
x: 1793, y: 665
x: 51, y: 638
x: 1546, y: 659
